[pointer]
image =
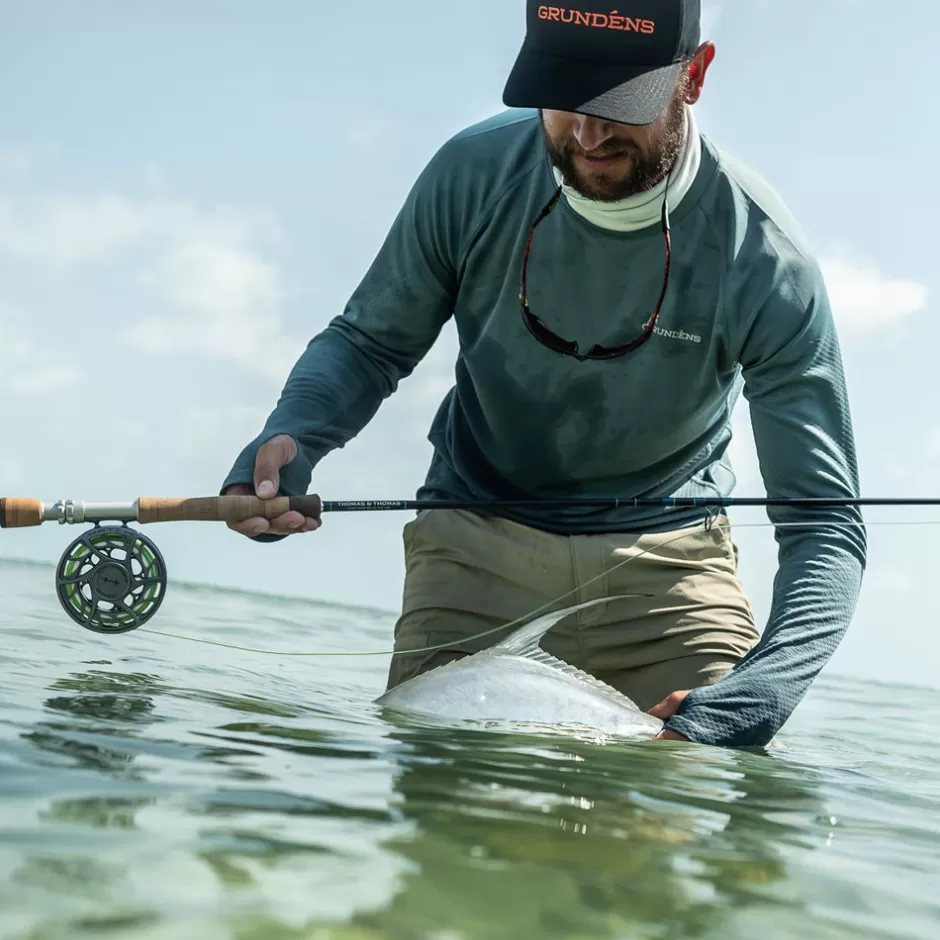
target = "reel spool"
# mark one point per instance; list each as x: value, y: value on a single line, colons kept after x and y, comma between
x: 111, y: 579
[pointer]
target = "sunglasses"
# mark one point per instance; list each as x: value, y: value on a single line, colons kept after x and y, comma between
x: 556, y: 343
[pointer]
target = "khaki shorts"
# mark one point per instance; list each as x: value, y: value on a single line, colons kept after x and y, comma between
x: 466, y: 574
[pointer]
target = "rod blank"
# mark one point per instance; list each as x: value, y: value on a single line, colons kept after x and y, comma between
x: 21, y: 513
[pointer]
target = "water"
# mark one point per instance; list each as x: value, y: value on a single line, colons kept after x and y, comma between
x: 152, y: 788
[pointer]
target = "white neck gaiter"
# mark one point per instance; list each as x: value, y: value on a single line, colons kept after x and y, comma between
x: 644, y: 209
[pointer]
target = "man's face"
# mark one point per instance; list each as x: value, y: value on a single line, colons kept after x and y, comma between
x: 607, y: 161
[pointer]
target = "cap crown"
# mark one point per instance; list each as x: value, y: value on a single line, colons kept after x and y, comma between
x: 650, y: 33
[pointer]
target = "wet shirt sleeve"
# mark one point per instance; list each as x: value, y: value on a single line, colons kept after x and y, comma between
x: 791, y: 362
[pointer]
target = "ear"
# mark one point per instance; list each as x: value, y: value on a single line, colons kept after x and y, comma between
x: 698, y: 68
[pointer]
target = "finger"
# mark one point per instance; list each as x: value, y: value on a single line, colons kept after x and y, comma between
x: 668, y: 706
x: 294, y: 527
x: 667, y: 734
x: 257, y: 525
x: 287, y: 524
x: 250, y: 527
x: 272, y: 456
x: 293, y: 523
x: 661, y: 710
x: 239, y: 489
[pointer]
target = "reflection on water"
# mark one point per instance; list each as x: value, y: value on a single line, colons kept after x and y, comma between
x: 104, y: 706
x: 97, y: 812
x: 152, y: 795
x: 523, y: 839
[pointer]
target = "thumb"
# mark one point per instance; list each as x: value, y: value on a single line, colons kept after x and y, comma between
x: 274, y: 454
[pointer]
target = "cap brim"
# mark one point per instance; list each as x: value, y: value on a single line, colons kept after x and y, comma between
x: 628, y: 95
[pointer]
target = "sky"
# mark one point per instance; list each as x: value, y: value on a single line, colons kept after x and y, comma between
x: 190, y: 192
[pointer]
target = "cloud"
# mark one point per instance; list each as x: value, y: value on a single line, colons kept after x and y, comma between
x: 67, y: 230
x: 43, y: 381
x: 205, y: 277
x: 864, y: 299
x: 209, y: 429
x: 14, y: 161
x: 28, y: 371
x: 228, y: 298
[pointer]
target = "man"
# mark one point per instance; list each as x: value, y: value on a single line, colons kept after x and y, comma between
x: 616, y: 280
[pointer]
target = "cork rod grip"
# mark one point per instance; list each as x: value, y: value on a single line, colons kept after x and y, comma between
x: 225, y: 508
x: 20, y: 513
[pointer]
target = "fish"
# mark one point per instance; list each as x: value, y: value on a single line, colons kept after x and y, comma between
x: 516, y: 686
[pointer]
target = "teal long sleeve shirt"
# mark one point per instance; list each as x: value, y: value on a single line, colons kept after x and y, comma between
x: 746, y: 311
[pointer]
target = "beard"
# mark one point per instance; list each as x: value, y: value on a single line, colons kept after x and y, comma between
x: 647, y: 166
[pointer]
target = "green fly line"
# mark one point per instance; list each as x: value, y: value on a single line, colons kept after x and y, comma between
x: 712, y: 523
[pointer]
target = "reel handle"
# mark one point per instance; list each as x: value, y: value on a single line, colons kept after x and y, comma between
x: 225, y: 508
x: 20, y: 513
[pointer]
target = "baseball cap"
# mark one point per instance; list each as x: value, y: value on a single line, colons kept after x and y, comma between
x: 619, y: 64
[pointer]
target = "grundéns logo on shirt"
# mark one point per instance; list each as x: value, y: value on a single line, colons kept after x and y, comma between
x: 677, y: 334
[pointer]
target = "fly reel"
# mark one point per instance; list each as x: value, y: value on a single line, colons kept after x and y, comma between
x: 111, y: 579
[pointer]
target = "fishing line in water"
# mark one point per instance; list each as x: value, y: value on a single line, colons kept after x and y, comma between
x: 711, y: 523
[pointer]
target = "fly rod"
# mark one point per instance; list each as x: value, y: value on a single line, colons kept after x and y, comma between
x: 112, y: 578
x: 21, y: 513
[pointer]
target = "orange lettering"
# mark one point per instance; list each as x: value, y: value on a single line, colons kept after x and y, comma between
x: 615, y: 20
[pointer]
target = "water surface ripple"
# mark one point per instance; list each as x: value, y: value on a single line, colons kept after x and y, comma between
x: 152, y: 788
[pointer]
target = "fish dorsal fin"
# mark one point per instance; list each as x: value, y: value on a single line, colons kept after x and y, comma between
x: 525, y: 642
x: 546, y: 659
x: 526, y: 639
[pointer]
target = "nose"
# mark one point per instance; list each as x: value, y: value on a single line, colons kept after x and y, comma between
x: 592, y: 132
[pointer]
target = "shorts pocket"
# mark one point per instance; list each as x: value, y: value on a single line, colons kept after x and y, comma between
x: 410, y: 530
